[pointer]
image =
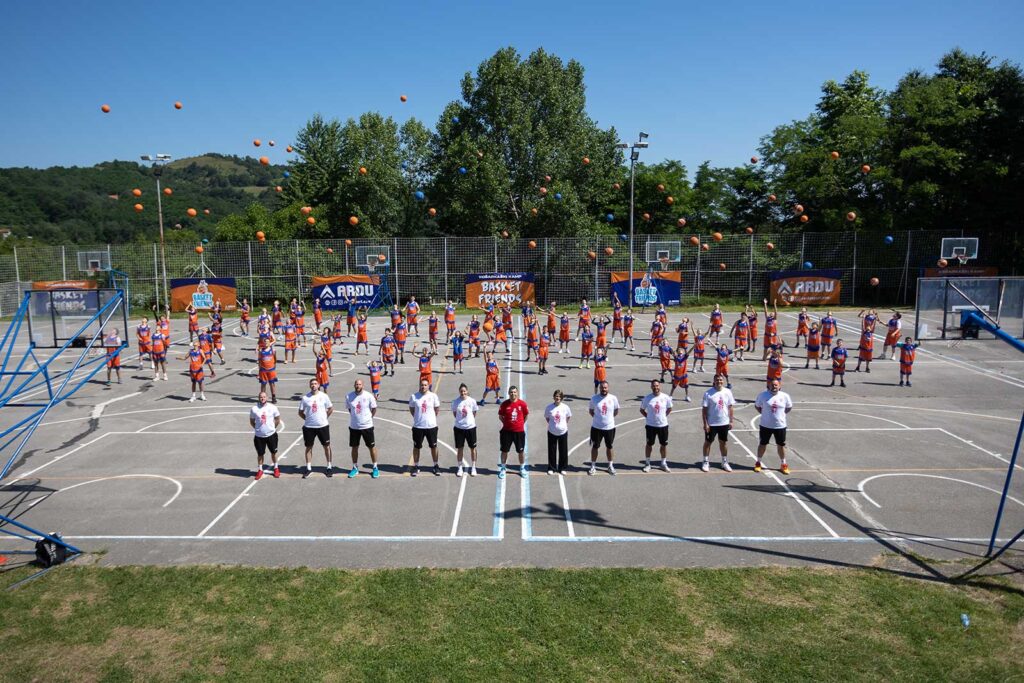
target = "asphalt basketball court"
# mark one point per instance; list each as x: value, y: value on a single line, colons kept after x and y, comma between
x: 138, y: 471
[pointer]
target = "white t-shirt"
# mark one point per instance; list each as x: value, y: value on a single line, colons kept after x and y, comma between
x: 604, y: 408
x: 423, y: 406
x: 557, y: 417
x: 657, y: 408
x: 464, y: 410
x: 265, y: 418
x: 773, y: 408
x: 717, y: 402
x: 360, y: 409
x: 315, y: 406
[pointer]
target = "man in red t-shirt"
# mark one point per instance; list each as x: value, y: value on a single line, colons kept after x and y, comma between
x: 513, y: 413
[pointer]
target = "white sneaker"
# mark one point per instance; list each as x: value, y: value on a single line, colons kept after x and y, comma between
x: 687, y: 399
x: 592, y: 471
x: 726, y: 466
x: 647, y: 467
x: 458, y: 472
x: 202, y: 397
x: 611, y: 469
x: 192, y: 400
x: 664, y: 466
x: 705, y: 466
x: 165, y: 376
x: 472, y: 471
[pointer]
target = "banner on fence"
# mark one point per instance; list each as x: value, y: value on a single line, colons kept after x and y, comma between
x: 499, y: 288
x: 66, y: 301
x: 65, y: 284
x: 334, y: 290
x: 804, y: 286
x: 962, y: 271
x: 202, y: 293
x: 649, y: 289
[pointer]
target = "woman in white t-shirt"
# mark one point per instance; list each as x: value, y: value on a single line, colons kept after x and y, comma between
x: 265, y: 419
x: 465, y: 408
x: 557, y: 415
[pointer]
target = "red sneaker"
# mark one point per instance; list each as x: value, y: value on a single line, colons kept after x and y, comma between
x: 277, y: 473
x: 784, y: 469
x: 259, y: 474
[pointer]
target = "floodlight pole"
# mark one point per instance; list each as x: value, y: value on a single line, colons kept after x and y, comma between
x: 634, y: 154
x: 158, y: 161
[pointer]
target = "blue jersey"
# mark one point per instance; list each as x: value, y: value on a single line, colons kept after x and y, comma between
x: 457, y: 345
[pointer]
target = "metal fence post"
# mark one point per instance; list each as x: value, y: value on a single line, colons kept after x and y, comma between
x: 394, y: 266
x: 252, y: 295
x: 446, y: 299
x: 750, y: 273
x: 853, y: 287
x: 945, y: 304
x: 699, y: 242
x: 495, y: 254
x: 906, y: 268
x: 803, y: 245
x: 63, y: 263
x: 17, y: 269
x: 597, y: 261
x: 547, y: 294
x: 156, y: 276
x: 298, y: 269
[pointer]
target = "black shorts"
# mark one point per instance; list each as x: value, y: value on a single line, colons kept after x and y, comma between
x: 659, y: 433
x: 779, y: 434
x: 507, y: 439
x: 311, y: 434
x: 418, y: 434
x: 721, y: 430
x: 354, y: 435
x: 598, y: 435
x: 465, y: 436
x: 262, y: 443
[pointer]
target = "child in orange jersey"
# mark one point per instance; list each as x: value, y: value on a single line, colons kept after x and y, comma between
x: 908, y: 351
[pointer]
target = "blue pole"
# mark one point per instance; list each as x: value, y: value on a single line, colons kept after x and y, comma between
x: 1006, y: 487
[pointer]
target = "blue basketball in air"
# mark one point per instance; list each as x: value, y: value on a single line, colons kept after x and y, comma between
x: 808, y: 265
x: 610, y: 217
x: 888, y: 239
x: 462, y: 170
x: 205, y: 241
x: 455, y: 119
x: 624, y: 238
x: 405, y: 165
x: 558, y: 196
x: 287, y: 174
x: 420, y: 195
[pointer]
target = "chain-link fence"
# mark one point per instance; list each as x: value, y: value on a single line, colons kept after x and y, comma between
x: 434, y: 268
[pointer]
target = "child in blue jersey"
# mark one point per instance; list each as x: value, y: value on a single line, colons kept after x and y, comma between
x: 838, y: 356
x: 458, y: 354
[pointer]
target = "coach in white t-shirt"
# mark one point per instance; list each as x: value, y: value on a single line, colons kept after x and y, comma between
x: 464, y: 409
x: 424, y: 406
x: 603, y: 407
x: 655, y: 408
x: 314, y: 410
x: 265, y: 419
x: 773, y: 405
x: 557, y: 415
x: 716, y: 412
x: 362, y: 407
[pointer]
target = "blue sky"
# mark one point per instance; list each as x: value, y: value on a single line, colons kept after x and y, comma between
x: 706, y: 80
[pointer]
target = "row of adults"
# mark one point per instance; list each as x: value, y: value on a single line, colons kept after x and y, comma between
x: 315, y: 409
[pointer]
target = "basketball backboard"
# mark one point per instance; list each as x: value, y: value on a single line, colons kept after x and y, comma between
x: 962, y: 249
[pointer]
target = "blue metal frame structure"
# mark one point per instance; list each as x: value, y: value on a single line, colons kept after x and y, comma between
x: 383, y: 298
x: 18, y: 378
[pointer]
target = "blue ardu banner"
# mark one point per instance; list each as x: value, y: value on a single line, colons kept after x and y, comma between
x: 649, y: 288
x: 334, y: 291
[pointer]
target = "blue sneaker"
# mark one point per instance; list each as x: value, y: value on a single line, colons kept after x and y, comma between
x: 353, y: 472
x: 375, y: 473
x: 501, y: 471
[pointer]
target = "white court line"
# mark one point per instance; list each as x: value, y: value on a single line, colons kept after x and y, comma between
x: 97, y: 410
x: 860, y: 486
x: 56, y: 459
x: 974, y: 445
x: 458, y: 505
x: 145, y: 428
x: 849, y: 429
x: 246, y: 491
x: 565, y: 506
x: 914, y: 408
x: 789, y: 491
x: 119, y: 476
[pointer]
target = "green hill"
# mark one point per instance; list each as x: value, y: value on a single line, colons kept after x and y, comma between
x: 96, y: 205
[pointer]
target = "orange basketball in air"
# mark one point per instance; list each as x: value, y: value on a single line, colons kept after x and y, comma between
x: 591, y: 255
x: 694, y: 240
x: 834, y: 155
x: 681, y: 222
x: 670, y: 200
x: 105, y: 108
x: 191, y: 212
x: 488, y: 326
x: 256, y: 142
x: 271, y: 143
x: 329, y: 250
x: 721, y: 266
x: 716, y: 236
x: 646, y: 216
x: 504, y: 234
x: 799, y: 208
x: 769, y: 246
x: 547, y: 179
x: 533, y: 245
x: 705, y: 247
x: 753, y: 160
x: 865, y: 169
x: 177, y: 105
x: 608, y: 251
x: 772, y: 198
x: 362, y: 170
x: 305, y: 210
x: 403, y: 98
x: 586, y: 160
x: 942, y: 263
x: 804, y: 218
x: 265, y: 161
x: 874, y: 282
x: 851, y: 216
x: 750, y: 230
x: 661, y: 188
x: 348, y: 243
x: 260, y: 235
x: 137, y: 192
x: 311, y: 220
x: 139, y: 207
x: 543, y: 190
x: 432, y: 211
x: 199, y: 249
x: 616, y: 186
x: 206, y: 212
x: 533, y: 211
x: 353, y: 220
x: 278, y: 188
x: 168, y: 191
x: 289, y: 149
x: 382, y: 258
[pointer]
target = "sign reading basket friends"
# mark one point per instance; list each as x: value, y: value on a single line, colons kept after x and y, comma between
x: 499, y: 289
x: 203, y: 293
x: 68, y: 297
x: 804, y: 287
x: 334, y: 290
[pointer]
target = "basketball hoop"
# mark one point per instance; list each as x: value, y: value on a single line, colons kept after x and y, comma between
x: 663, y: 262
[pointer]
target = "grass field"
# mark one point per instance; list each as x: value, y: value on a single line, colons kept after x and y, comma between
x: 197, y: 623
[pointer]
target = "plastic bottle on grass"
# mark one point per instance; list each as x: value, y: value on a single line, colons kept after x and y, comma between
x: 965, y: 621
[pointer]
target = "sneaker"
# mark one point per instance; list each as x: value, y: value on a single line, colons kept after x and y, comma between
x: 524, y: 470
x: 726, y: 466
x: 277, y: 473
x: 259, y: 474
x: 472, y: 471
x: 592, y: 471
x: 306, y: 473
x: 664, y: 466
x: 375, y: 473
x: 705, y: 466
x: 437, y: 470
x: 784, y: 469
x: 901, y: 384
x: 192, y: 400
x: 757, y: 466
x: 647, y: 467
x: 687, y: 399
x: 414, y: 471
x: 501, y: 471
x: 330, y: 471
x: 458, y: 472
x: 353, y: 472
x: 202, y: 397
x: 611, y: 469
